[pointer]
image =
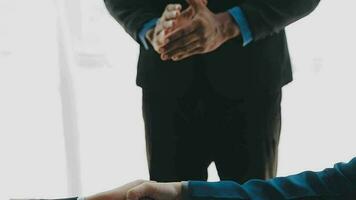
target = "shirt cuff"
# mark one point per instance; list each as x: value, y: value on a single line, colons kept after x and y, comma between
x: 146, y: 27
x: 241, y: 20
x: 185, y: 191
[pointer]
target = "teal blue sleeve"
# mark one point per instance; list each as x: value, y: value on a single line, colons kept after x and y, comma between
x: 241, y: 21
x: 338, y: 183
x: 142, y: 33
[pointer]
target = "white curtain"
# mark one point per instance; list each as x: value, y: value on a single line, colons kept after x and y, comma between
x: 70, y: 113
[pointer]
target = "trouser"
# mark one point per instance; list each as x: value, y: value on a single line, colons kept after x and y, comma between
x: 185, y: 134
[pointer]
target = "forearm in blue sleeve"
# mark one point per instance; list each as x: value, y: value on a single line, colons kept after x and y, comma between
x: 338, y: 183
x: 142, y: 33
x: 241, y: 21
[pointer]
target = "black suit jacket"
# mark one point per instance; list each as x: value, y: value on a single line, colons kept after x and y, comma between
x: 233, y: 70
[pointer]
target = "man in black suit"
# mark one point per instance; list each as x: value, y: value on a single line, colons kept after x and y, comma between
x: 211, y: 74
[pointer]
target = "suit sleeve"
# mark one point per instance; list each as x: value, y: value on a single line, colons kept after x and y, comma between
x: 267, y: 17
x: 338, y: 183
x: 132, y: 14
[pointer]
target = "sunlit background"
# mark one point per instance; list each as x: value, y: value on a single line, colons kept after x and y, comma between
x: 70, y: 112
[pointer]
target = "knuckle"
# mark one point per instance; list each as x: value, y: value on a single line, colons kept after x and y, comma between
x: 169, y: 6
x: 166, y: 24
x: 169, y: 14
x: 156, y: 48
x: 175, y: 13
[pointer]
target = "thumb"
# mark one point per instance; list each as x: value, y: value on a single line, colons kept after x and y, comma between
x: 196, y: 4
x: 145, y: 190
x: 188, y: 13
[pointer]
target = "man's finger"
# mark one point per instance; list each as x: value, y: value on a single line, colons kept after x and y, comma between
x: 188, y: 13
x: 168, y: 24
x: 172, y: 11
x: 196, y: 4
x: 184, y: 41
x: 185, y: 55
x: 181, y: 32
x: 182, y: 50
x: 171, y: 14
x: 161, y: 40
x: 171, y: 7
x: 165, y: 27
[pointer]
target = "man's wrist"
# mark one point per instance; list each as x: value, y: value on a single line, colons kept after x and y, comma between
x: 228, y: 27
x: 240, y: 19
x: 143, y: 32
x: 184, y: 194
x: 149, y: 35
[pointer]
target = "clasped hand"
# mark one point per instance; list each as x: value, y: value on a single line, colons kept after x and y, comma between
x: 141, y: 189
x: 195, y: 30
